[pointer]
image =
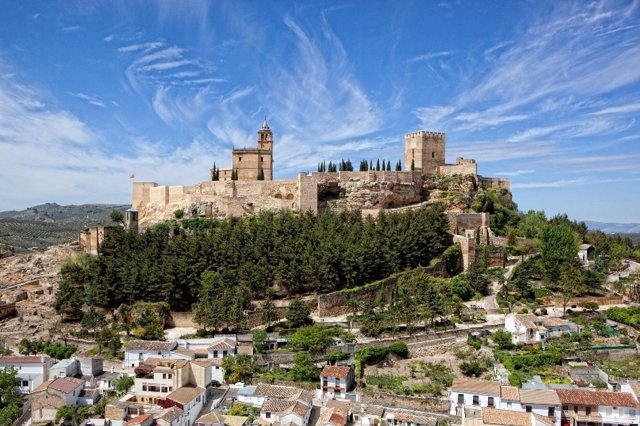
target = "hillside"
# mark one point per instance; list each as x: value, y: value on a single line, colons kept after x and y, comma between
x: 614, y: 228
x: 50, y: 224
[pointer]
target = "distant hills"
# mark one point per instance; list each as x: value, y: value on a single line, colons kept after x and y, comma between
x: 614, y: 228
x: 50, y: 224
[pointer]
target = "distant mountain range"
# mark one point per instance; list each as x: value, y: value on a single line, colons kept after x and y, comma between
x: 614, y: 228
x: 50, y: 223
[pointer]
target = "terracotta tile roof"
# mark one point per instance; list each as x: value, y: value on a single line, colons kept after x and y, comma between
x: 186, y: 352
x: 235, y: 420
x: 509, y: 393
x: 300, y: 409
x: 150, y: 345
x: 170, y: 414
x: 343, y: 406
x: 212, y: 417
x: 528, y: 320
x: 223, y: 344
x: 494, y: 416
x: 597, y: 398
x: 245, y: 350
x: 585, y: 246
x: 480, y: 387
x: 275, y: 391
x: 65, y: 385
x: 539, y: 397
x: 544, y: 420
x: 339, y: 371
x: 185, y: 394
x: 12, y: 360
x: 139, y: 419
x: 276, y: 405
x: 43, y: 386
x: 368, y: 409
x: 554, y: 322
x: 338, y: 419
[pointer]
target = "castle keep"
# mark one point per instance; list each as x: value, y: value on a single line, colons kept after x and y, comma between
x: 248, y: 186
x: 250, y: 163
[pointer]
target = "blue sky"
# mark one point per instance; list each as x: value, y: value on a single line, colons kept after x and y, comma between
x: 546, y: 93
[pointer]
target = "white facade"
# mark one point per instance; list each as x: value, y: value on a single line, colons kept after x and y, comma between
x: 134, y: 356
x: 159, y: 386
x: 31, y: 371
x: 461, y: 400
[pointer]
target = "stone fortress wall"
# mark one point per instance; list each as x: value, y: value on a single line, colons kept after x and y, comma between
x: 370, y: 191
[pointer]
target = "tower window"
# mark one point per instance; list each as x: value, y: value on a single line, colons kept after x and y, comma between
x: 433, y: 155
x: 261, y: 158
x: 239, y: 158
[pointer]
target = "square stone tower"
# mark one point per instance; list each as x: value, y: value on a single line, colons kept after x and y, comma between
x: 425, y: 150
x: 250, y: 162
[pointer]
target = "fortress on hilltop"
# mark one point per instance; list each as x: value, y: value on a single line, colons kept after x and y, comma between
x: 248, y: 186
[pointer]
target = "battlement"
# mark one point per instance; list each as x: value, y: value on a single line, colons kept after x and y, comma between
x: 460, y: 161
x: 425, y: 134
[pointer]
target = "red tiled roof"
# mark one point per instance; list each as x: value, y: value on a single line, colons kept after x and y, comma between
x: 597, y: 398
x: 474, y: 386
x: 139, y: 419
x: 6, y: 360
x: 339, y: 371
x: 65, y: 384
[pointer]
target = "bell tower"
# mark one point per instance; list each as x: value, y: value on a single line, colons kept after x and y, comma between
x: 265, y: 137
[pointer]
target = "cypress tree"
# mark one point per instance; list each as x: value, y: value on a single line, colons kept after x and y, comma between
x: 399, y: 166
x: 371, y: 165
x: 378, y: 165
x: 389, y: 165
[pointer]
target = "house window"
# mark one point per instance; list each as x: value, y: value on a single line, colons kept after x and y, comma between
x: 476, y: 400
x: 144, y: 388
x: 25, y: 383
x: 551, y: 412
x: 528, y: 408
x: 224, y: 353
x: 164, y: 389
x: 509, y: 405
x: 490, y: 401
x: 587, y: 411
x: 268, y: 415
x: 565, y: 408
x: 215, y: 354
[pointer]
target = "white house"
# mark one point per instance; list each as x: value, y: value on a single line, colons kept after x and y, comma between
x: 543, y: 402
x: 190, y: 399
x: 523, y: 329
x: 580, y: 406
x: 138, y: 351
x: 221, y: 348
x: 510, y: 398
x: 336, y: 381
x: 527, y: 329
x: 586, y: 253
x: 31, y: 371
x: 469, y: 396
x: 367, y: 414
x: 50, y: 396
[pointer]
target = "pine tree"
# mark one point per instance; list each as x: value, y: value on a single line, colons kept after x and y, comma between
x: 349, y: 166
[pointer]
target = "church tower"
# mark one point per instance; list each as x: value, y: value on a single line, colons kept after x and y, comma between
x: 265, y: 137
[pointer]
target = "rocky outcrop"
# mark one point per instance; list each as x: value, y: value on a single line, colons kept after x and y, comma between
x: 357, y: 194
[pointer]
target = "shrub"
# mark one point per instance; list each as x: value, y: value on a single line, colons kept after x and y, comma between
x: 374, y: 354
x: 473, y: 342
x: 473, y: 368
x: 178, y: 214
x: 523, y: 311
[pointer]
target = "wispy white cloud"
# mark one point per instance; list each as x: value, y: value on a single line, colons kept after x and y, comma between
x: 429, y: 56
x: 619, y: 109
x: 561, y: 183
x: 93, y: 100
x: 58, y: 148
x: 513, y: 173
x: 109, y: 38
x: 71, y: 29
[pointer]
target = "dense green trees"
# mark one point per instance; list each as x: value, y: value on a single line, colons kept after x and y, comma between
x: 279, y: 253
x: 9, y: 402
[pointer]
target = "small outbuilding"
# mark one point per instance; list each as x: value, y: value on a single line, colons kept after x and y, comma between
x: 587, y: 252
